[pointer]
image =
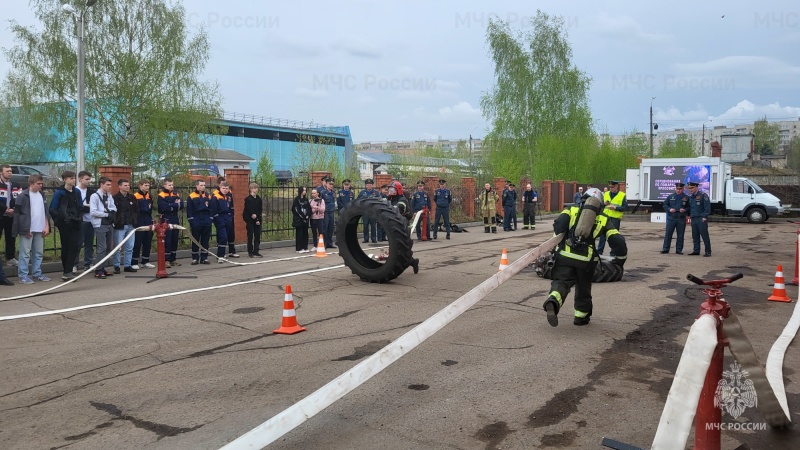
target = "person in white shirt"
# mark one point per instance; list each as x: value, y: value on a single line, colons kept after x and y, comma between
x: 31, y: 224
x: 103, y: 212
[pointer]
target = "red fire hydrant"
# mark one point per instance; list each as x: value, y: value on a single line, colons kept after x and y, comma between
x: 161, y: 234
x: 707, y: 424
x: 425, y: 227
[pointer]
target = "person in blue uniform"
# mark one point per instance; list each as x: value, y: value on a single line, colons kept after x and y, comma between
x: 345, y: 195
x: 198, y: 211
x: 144, y: 217
x: 700, y: 209
x: 325, y: 192
x: 169, y: 203
x: 370, y: 230
x: 222, y: 213
x: 442, y: 197
x: 676, y: 206
x: 509, y: 202
x: 420, y: 200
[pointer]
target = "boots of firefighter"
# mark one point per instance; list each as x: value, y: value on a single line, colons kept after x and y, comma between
x: 415, y: 265
x: 485, y: 229
x: 494, y: 229
x: 552, y: 305
x: 581, y: 318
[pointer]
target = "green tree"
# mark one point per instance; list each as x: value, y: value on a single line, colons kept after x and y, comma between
x: 145, y: 102
x: 793, y: 154
x: 319, y: 153
x: 767, y: 137
x: 265, y: 170
x: 682, y: 147
x: 23, y: 132
x: 538, y: 108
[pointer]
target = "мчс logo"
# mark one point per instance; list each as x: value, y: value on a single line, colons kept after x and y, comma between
x: 735, y: 392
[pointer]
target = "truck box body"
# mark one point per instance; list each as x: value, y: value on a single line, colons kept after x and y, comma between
x: 655, y: 179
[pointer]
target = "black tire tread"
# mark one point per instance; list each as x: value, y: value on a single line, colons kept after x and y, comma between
x: 395, y: 227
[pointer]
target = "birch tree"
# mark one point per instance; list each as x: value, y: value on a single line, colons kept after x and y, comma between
x: 146, y: 104
x: 538, y: 108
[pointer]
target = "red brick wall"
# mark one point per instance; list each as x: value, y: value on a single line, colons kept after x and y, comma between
x: 116, y: 173
x: 545, y: 196
x: 468, y: 196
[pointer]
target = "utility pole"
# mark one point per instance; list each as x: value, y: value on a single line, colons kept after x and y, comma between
x: 703, y: 142
x: 651, y: 126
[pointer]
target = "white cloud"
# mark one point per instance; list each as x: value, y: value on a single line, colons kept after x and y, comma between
x: 746, y: 110
x: 675, y: 114
x: 459, y: 111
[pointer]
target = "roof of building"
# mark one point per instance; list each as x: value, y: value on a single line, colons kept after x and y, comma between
x: 222, y: 154
x: 389, y: 158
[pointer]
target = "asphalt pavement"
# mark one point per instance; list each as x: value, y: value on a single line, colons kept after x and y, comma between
x: 145, y: 364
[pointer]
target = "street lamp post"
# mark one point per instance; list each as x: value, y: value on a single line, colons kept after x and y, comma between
x: 651, y: 126
x: 81, y: 125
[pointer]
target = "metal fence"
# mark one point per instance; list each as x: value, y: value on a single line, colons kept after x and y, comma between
x: 277, y: 210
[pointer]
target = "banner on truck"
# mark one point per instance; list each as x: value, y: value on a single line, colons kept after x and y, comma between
x: 663, y: 179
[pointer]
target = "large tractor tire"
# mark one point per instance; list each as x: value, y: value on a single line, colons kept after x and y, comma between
x: 604, y: 271
x: 394, y: 225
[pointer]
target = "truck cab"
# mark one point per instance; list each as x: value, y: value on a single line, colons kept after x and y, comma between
x: 744, y: 198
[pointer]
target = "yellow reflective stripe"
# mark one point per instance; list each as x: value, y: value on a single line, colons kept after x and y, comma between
x: 567, y: 254
x: 580, y: 314
x: 557, y: 296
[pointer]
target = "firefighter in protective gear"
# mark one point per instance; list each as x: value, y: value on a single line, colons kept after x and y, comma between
x: 616, y: 204
x: 576, y: 257
x: 488, y: 202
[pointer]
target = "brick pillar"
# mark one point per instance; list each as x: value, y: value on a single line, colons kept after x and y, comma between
x: 116, y: 173
x: 381, y: 179
x: 499, y: 187
x: 468, y: 196
x: 239, y: 179
x: 431, y: 185
x: 545, y: 197
x: 316, y: 179
x: 560, y: 194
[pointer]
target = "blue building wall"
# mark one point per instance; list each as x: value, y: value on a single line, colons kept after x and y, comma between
x: 247, y: 137
x: 280, y: 143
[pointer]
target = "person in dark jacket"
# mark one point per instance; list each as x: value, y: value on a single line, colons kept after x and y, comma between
x: 124, y: 224
x: 198, y: 212
x: 8, y: 194
x: 252, y: 215
x: 144, y: 217
x: 169, y: 203
x: 442, y: 198
x: 65, y: 209
x: 301, y: 216
x: 222, y: 212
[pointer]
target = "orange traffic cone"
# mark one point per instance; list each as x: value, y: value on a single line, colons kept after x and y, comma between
x: 289, y: 323
x: 503, y: 261
x: 779, y: 291
x: 321, y: 248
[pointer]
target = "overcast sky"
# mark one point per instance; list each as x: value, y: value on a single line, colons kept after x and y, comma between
x: 402, y: 70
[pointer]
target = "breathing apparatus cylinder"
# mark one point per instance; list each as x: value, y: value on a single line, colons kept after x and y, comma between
x: 592, y: 206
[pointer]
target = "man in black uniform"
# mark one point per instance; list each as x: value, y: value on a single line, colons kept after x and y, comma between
x: 419, y: 201
x: 442, y: 197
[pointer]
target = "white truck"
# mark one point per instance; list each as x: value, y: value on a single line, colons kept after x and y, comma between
x: 655, y: 179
